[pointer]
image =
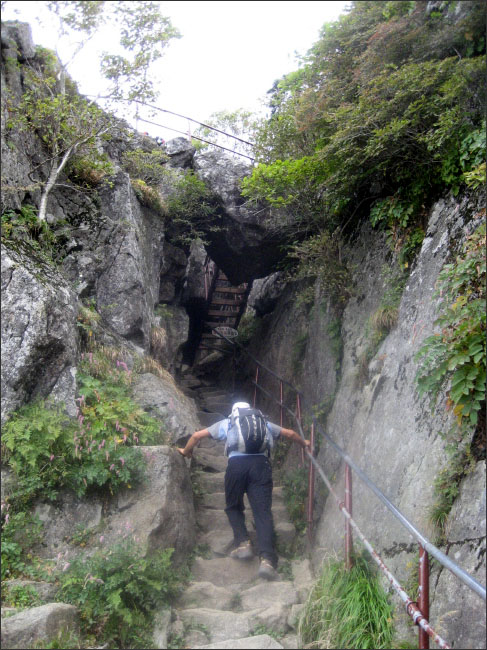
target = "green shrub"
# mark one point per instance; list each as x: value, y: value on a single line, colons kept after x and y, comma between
x: 347, y: 609
x: 145, y: 166
x: 295, y: 484
x: 20, y: 531
x: 446, y: 487
x: 20, y: 596
x: 117, y: 590
x: 47, y: 450
x: 454, y: 358
x: 192, y: 209
x: 89, y: 172
x: 149, y: 196
x: 24, y: 225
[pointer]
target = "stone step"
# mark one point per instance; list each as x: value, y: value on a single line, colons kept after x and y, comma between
x: 219, y: 625
x: 264, y: 595
x: 206, y: 594
x: 215, y: 500
x: 212, y: 481
x: 226, y: 571
x: 220, y: 542
x: 202, y: 458
x: 258, y: 642
x: 285, y: 532
x: 209, y: 520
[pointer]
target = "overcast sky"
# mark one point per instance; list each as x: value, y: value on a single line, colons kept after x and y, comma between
x: 228, y: 57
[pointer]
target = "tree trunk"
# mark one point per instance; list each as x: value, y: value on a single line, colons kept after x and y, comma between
x: 51, y: 181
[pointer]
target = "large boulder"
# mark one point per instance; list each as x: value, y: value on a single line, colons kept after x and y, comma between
x: 194, y: 289
x: 243, y: 246
x: 39, y: 625
x: 39, y: 334
x: 265, y: 293
x: 159, y: 513
x: 170, y: 336
x: 163, y: 400
x: 180, y: 152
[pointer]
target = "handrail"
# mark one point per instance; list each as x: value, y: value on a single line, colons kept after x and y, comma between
x: 419, y: 611
x: 471, y: 582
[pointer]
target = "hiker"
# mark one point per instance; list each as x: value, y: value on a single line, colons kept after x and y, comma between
x: 251, y: 473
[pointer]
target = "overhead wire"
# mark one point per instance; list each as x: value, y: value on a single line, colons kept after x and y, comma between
x: 197, y: 138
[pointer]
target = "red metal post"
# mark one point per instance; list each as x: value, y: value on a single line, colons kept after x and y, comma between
x: 298, y: 415
x: 311, y: 484
x: 256, y: 381
x: 348, y: 507
x: 280, y: 387
x: 424, y: 595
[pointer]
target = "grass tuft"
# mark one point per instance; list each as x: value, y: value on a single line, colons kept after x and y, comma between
x: 347, y: 610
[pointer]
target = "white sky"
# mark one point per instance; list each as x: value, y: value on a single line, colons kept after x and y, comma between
x: 229, y: 55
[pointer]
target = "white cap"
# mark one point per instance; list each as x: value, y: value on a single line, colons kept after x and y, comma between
x: 239, y: 405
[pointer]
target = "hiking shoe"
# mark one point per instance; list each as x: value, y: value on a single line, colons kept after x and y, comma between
x: 267, y: 571
x: 242, y: 552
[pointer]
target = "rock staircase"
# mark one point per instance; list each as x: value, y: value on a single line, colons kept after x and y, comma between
x: 227, y: 605
x: 226, y: 304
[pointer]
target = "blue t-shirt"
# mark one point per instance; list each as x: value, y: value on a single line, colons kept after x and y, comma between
x: 219, y: 431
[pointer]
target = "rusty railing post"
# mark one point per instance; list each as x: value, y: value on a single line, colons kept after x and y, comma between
x: 348, y: 528
x: 424, y: 595
x: 256, y: 382
x: 311, y: 484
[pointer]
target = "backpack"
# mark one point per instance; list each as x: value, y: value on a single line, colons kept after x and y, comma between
x: 247, y: 432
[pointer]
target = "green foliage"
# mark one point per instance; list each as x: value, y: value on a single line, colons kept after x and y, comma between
x: 475, y: 178
x: 145, y: 33
x: 248, y: 327
x: 117, y: 589
x: 347, y: 609
x: 25, y: 226
x: 89, y: 171
x: 320, y: 256
x: 447, y: 486
x: 240, y: 123
x: 385, y: 113
x: 20, y: 531
x: 145, y: 166
x: 47, y: 450
x: 295, y: 489
x: 454, y: 358
x: 149, y: 196
x: 20, y: 596
x: 192, y: 209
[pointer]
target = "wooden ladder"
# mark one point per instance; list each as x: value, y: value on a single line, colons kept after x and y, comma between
x: 226, y: 304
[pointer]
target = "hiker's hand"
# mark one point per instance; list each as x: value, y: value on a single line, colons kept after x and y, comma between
x: 307, y: 445
x: 188, y: 454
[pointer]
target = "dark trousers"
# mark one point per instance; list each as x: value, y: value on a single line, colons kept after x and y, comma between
x: 253, y: 475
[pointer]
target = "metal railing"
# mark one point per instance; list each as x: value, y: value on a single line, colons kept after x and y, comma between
x: 418, y: 611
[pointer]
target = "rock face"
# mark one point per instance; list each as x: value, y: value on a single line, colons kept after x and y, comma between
x: 38, y: 624
x: 265, y: 293
x: 163, y: 400
x: 159, y: 513
x: 374, y: 411
x: 39, y: 338
x: 244, y: 248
